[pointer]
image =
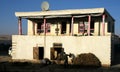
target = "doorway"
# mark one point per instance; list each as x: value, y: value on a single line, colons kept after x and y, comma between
x: 63, y: 28
x: 55, y: 52
x: 38, y: 53
x: 41, y: 52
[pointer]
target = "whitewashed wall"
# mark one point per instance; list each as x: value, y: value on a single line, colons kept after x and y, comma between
x: 98, y: 45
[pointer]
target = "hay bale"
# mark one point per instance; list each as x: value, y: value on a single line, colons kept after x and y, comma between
x: 87, y: 59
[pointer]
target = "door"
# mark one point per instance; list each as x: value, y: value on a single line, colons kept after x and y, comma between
x: 38, y: 53
x: 41, y: 52
x: 35, y: 53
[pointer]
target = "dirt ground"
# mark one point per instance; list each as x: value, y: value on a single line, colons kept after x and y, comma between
x: 5, y: 65
x: 28, y: 67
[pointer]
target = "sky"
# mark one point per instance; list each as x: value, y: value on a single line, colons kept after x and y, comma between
x: 9, y: 22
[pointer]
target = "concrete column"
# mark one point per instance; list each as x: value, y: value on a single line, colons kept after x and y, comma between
x: 44, y: 26
x: 19, y: 26
x: 89, y: 20
x: 72, y: 26
x: 103, y: 24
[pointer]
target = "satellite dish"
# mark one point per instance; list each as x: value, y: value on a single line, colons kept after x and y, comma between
x: 45, y: 6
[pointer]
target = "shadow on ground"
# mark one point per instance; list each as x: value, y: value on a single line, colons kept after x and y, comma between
x: 37, y: 67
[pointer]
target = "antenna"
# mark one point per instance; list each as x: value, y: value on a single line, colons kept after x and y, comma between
x: 45, y: 6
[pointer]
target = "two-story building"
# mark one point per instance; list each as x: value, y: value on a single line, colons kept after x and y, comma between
x: 74, y: 30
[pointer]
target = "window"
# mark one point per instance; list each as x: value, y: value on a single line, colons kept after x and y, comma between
x: 81, y: 27
x: 92, y: 26
x: 86, y: 26
x: 47, y: 27
x: 63, y: 27
x: 40, y: 28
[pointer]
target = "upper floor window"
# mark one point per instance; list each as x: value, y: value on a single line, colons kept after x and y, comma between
x: 47, y: 27
x: 40, y: 28
x: 81, y: 27
x: 92, y: 26
x: 86, y: 26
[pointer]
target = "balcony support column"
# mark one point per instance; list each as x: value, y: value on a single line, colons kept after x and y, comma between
x: 19, y: 26
x: 103, y: 24
x: 72, y: 26
x: 44, y: 26
x: 89, y: 20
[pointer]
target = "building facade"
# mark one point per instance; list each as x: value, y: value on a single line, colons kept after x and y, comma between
x: 75, y: 31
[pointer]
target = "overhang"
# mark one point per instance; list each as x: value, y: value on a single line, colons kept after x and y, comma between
x: 60, y: 12
x: 63, y: 13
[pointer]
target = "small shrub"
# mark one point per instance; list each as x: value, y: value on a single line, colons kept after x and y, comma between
x: 87, y: 59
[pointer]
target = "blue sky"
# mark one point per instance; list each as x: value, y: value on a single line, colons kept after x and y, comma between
x: 9, y: 23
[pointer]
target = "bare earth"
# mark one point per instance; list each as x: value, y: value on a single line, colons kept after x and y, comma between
x: 5, y: 65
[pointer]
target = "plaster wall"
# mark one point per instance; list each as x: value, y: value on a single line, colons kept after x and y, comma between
x: 30, y: 27
x: 98, y: 45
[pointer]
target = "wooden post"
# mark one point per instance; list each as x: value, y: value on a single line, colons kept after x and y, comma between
x: 19, y: 26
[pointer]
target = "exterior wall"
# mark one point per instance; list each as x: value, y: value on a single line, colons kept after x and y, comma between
x: 30, y: 26
x: 36, y: 29
x: 75, y: 27
x: 112, y: 25
x: 98, y: 45
x: 53, y: 26
x: 106, y: 33
x: 68, y: 28
x: 115, y: 45
x: 97, y: 27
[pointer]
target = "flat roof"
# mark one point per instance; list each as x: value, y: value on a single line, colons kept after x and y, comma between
x: 62, y: 13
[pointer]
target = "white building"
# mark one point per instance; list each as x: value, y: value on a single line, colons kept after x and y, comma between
x: 76, y: 31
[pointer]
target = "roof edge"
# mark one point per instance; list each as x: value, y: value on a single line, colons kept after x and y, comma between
x: 61, y: 12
